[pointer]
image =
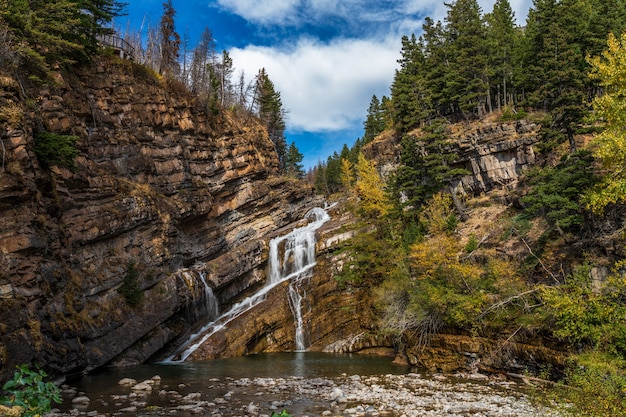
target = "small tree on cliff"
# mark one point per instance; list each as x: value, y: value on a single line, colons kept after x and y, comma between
x: 272, y: 114
x: 170, y: 41
x: 293, y: 159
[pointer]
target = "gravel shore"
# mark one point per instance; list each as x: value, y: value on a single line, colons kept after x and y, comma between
x: 409, y: 395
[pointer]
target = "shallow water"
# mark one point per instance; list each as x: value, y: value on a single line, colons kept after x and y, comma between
x: 303, y: 384
x: 215, y: 378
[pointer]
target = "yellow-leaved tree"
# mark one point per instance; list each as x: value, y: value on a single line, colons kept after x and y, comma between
x: 347, y: 174
x: 610, y: 108
x: 370, y: 188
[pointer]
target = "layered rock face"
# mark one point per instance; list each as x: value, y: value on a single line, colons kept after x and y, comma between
x: 162, y: 192
x: 334, y: 318
x: 494, y: 153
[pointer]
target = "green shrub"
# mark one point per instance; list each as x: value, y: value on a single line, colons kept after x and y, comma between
x: 53, y: 149
x: 595, y: 386
x: 556, y: 192
x: 509, y: 114
x: 28, y: 391
x: 472, y: 244
x: 130, y: 288
x: 585, y: 316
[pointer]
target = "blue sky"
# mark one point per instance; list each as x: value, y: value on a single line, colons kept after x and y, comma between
x: 326, y: 57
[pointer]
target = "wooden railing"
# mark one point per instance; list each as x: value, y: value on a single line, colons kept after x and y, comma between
x: 124, y: 49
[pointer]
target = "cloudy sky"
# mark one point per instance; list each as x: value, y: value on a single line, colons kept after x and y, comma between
x: 326, y: 57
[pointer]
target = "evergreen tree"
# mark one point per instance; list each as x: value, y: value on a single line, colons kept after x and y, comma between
x: 320, y: 182
x: 557, y: 64
x: 47, y: 33
x: 605, y: 16
x: 502, y: 36
x: 466, y: 80
x: 293, y: 159
x: 375, y: 121
x: 272, y: 114
x: 333, y: 173
x: 97, y: 15
x: 433, y: 44
x: 53, y: 33
x: 408, y: 91
x: 426, y: 166
x: 170, y: 41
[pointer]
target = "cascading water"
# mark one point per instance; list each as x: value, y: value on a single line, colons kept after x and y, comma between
x: 211, y: 304
x: 209, y: 307
x: 296, y: 295
x: 291, y: 257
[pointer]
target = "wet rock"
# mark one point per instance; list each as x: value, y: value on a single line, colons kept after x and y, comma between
x: 131, y: 409
x: 142, y: 387
x: 82, y: 400
x: 193, y: 397
x: 127, y: 382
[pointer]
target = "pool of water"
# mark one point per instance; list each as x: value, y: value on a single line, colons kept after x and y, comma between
x: 220, y: 377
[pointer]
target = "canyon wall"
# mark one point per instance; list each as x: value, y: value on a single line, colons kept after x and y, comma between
x: 102, y: 263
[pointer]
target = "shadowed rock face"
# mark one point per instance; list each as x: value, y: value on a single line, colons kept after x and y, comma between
x: 160, y: 184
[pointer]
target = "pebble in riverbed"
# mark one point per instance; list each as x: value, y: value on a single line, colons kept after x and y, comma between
x: 411, y: 395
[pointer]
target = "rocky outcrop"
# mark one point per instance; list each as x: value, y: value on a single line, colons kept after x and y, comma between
x: 495, y: 153
x: 160, y: 187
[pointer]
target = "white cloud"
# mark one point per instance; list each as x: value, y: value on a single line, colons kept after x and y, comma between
x: 324, y: 86
x: 261, y: 11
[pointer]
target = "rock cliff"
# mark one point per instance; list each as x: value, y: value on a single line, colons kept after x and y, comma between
x: 494, y: 153
x: 162, y: 191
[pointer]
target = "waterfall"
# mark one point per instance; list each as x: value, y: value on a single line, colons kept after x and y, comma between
x: 291, y: 257
x: 211, y: 304
x: 295, y: 303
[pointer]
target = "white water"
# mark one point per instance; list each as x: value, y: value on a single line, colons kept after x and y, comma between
x: 210, y: 307
x: 211, y: 304
x: 297, y: 260
x: 295, y: 303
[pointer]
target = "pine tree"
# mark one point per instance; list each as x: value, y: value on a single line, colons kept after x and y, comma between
x: 375, y: 121
x: 293, y: 159
x: 271, y: 113
x: 170, y: 42
x: 333, y: 173
x: 408, y: 91
x: 502, y: 36
x: 97, y: 15
x: 47, y: 34
x: 466, y: 80
x: 557, y: 65
x: 321, y: 185
x: 433, y: 44
x: 426, y: 166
